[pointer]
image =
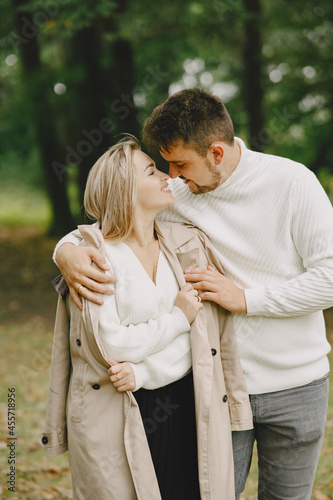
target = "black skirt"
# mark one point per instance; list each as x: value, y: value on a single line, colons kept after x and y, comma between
x: 168, y: 416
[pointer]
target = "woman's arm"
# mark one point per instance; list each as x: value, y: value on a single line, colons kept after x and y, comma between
x: 135, y: 342
x: 165, y: 366
x: 157, y: 370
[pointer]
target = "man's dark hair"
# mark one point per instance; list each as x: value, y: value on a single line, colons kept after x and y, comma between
x: 195, y: 117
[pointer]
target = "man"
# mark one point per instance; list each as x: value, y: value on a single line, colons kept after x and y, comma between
x: 271, y: 225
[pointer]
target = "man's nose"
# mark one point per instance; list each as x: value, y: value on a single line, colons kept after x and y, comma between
x: 173, y: 171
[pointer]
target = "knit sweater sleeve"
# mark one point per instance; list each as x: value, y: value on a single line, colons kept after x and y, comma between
x: 312, y: 233
x: 165, y: 366
x: 73, y: 237
x: 137, y: 341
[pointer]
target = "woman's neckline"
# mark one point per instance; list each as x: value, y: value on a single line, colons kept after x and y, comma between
x: 141, y: 265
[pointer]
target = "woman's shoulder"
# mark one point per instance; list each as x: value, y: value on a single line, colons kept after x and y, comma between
x: 114, y: 248
x: 177, y: 233
x: 176, y: 229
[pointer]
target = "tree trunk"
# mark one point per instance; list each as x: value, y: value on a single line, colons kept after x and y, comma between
x: 44, y: 123
x: 93, y: 138
x: 252, y: 85
x: 103, y: 96
x: 120, y: 77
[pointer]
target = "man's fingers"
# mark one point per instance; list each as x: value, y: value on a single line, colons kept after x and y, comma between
x: 98, y: 259
x: 198, y: 275
x: 96, y: 275
x: 93, y: 286
x: 87, y: 294
x: 76, y: 298
x: 205, y: 285
x: 209, y: 296
x: 197, y: 270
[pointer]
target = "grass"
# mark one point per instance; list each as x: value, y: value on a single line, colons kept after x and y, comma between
x: 26, y: 350
x: 19, y: 206
x: 27, y: 307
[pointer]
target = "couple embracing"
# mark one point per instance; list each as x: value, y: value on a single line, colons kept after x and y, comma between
x: 198, y: 329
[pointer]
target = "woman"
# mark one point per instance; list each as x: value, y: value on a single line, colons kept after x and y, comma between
x: 144, y: 444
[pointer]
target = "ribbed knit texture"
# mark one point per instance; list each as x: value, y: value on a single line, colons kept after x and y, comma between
x: 140, y: 323
x: 271, y: 225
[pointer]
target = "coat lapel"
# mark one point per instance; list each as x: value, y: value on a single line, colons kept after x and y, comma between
x: 171, y: 237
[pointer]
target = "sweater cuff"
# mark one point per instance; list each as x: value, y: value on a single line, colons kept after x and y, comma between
x: 181, y: 320
x: 140, y: 373
x: 72, y: 237
x: 255, y: 301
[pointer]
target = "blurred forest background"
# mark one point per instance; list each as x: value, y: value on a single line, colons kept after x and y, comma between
x: 76, y: 74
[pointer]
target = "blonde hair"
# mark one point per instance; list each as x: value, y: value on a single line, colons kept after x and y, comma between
x: 110, y: 191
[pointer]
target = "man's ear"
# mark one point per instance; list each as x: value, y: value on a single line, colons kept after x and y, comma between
x: 217, y: 152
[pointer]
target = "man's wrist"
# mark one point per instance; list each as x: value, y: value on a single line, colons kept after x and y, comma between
x: 61, y: 253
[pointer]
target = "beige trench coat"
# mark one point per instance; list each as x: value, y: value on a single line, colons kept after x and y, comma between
x: 102, y: 428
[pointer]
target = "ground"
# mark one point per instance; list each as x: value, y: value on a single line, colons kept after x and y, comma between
x: 27, y: 310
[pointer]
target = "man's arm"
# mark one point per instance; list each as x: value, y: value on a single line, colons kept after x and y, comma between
x: 310, y: 291
x: 312, y: 233
x: 75, y: 262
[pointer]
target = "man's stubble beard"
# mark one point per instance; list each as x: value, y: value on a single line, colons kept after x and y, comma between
x: 215, y: 182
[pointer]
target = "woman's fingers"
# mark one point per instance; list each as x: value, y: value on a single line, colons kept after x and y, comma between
x: 115, y: 367
x: 187, y: 288
x: 122, y: 376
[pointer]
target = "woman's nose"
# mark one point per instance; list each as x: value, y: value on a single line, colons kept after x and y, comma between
x: 163, y: 175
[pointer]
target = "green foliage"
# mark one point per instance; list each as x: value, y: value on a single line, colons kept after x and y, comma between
x: 172, y: 45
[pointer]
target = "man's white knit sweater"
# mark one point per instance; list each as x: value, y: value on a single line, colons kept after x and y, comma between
x: 271, y: 225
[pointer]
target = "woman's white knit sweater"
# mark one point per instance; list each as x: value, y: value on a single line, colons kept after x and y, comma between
x: 140, y: 323
x: 271, y: 224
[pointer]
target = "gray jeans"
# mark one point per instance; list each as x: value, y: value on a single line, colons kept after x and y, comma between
x: 289, y: 427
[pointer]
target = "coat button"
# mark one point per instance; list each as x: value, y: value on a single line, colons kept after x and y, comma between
x: 225, y: 398
x: 78, y: 342
x: 45, y: 440
x: 214, y: 352
x: 96, y: 386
